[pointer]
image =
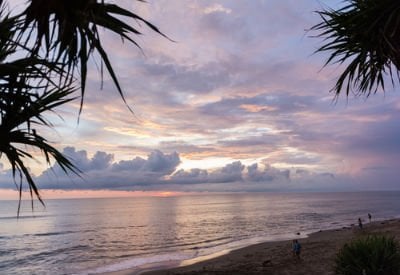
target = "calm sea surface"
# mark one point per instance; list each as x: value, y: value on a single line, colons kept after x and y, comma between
x: 82, y: 236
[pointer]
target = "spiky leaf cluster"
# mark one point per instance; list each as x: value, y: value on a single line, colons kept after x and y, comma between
x: 44, y: 51
x: 364, y: 35
x: 375, y: 255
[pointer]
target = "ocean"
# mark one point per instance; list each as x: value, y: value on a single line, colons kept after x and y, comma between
x: 90, y: 236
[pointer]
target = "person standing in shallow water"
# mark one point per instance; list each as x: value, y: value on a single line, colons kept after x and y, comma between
x: 360, y: 225
x: 369, y: 217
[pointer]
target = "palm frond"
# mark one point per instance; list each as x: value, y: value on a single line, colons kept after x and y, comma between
x: 43, y: 50
x: 19, y: 111
x: 28, y: 90
x: 364, y: 35
x: 69, y: 30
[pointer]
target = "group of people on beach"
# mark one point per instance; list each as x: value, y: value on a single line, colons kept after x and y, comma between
x: 296, y: 246
x: 360, y: 224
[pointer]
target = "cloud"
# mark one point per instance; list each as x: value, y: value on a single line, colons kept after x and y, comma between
x: 263, y: 103
x: 158, y: 169
x: 216, y: 8
x: 100, y: 172
x: 183, y: 147
x: 193, y: 176
x: 186, y: 78
x: 230, y: 173
x: 162, y: 163
x: 268, y: 174
x: 100, y: 160
x: 239, y: 85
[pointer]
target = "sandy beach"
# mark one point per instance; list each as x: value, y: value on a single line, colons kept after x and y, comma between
x: 317, y: 257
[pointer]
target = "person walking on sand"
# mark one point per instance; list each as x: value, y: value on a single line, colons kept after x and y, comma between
x: 296, y: 246
x: 369, y: 217
x: 360, y: 225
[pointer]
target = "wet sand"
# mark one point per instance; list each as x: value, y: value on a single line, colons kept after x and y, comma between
x: 317, y: 257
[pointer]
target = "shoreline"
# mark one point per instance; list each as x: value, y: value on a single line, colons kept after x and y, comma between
x: 272, y: 257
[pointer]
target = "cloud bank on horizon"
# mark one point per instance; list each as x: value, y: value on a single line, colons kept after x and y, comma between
x: 237, y: 103
x: 159, y: 171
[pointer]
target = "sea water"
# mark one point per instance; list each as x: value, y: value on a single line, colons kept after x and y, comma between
x: 89, y: 236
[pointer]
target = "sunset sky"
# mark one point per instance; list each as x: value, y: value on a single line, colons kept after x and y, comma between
x: 238, y: 102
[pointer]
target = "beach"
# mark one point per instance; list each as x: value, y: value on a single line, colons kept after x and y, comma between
x: 317, y: 257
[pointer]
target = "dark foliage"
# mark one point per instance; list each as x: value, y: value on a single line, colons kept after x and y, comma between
x: 372, y: 255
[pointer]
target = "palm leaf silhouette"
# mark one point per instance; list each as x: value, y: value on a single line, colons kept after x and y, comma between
x: 44, y: 52
x: 364, y: 35
x: 21, y: 112
x: 69, y: 31
x: 27, y: 92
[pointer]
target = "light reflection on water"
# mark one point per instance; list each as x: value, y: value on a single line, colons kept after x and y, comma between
x: 71, y: 236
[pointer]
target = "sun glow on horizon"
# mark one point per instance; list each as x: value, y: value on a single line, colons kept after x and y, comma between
x: 9, y: 194
x: 167, y: 194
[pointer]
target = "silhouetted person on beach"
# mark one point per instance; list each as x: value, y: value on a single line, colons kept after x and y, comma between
x: 369, y: 217
x: 296, y: 247
x: 360, y: 225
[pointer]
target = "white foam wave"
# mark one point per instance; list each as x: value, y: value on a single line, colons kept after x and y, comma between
x: 163, y: 260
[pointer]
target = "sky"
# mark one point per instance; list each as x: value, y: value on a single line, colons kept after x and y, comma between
x: 236, y: 100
